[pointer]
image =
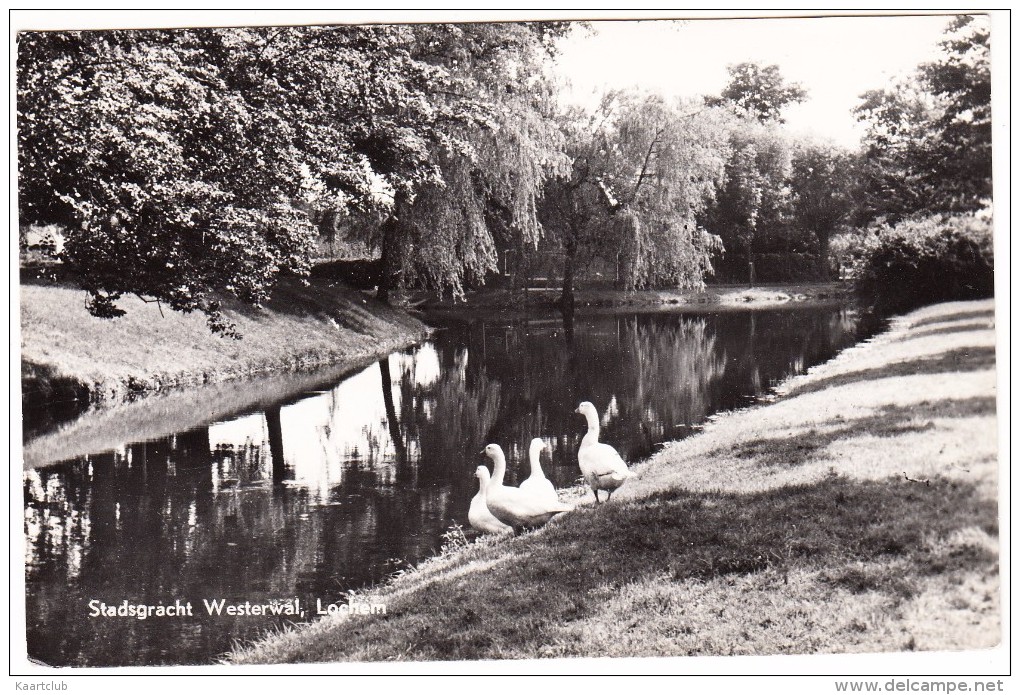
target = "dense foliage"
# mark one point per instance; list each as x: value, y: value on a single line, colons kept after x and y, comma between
x: 928, y: 145
x: 822, y: 188
x: 184, y: 164
x: 759, y: 90
x: 926, y: 164
x: 445, y: 232
x: 753, y: 198
x: 927, y: 260
x: 187, y: 166
x: 174, y: 159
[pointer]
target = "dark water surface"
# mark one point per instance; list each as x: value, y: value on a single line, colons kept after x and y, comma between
x: 337, y: 488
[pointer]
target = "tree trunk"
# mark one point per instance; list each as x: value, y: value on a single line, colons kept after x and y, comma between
x: 823, y: 254
x: 388, y: 277
x: 568, y: 328
x: 392, y: 252
x: 567, y: 295
x: 275, y: 428
x: 748, y: 238
x: 393, y: 424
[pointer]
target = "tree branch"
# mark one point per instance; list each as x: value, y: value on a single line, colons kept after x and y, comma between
x: 927, y: 483
x: 158, y: 304
x: 644, y: 165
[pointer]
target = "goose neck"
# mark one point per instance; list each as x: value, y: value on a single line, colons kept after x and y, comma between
x: 498, y: 470
x: 536, y: 466
x: 592, y: 437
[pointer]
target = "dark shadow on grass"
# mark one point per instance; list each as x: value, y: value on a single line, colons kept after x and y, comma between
x: 833, y: 526
x: 347, y: 307
x: 953, y: 328
x: 48, y: 275
x: 972, y: 315
x: 964, y: 360
x: 889, y: 421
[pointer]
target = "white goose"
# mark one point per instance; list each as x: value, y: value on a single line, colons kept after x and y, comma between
x: 600, y: 464
x: 537, y: 484
x: 514, y: 506
x: 479, y: 515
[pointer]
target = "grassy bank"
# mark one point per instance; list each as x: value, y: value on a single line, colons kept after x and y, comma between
x: 855, y: 513
x: 67, y: 353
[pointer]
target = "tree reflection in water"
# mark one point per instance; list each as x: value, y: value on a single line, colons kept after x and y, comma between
x: 452, y: 418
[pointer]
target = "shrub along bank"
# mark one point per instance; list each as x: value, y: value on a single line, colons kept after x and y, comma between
x: 922, y: 261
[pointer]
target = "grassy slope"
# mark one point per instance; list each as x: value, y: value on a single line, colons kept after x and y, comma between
x: 858, y: 512
x: 66, y: 350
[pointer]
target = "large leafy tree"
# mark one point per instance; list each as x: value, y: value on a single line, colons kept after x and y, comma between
x: 183, y: 164
x: 895, y: 176
x: 168, y: 183
x: 928, y: 143
x: 961, y: 81
x: 643, y: 168
x: 174, y: 159
x: 823, y: 185
x: 759, y: 90
x: 754, y: 193
x: 753, y: 197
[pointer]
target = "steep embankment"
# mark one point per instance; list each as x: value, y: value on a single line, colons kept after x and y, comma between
x: 857, y: 512
x: 66, y: 353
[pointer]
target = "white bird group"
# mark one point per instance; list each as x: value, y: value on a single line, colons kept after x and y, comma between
x: 497, y: 508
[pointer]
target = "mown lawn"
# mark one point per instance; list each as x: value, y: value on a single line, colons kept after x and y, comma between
x: 67, y: 353
x: 857, y: 512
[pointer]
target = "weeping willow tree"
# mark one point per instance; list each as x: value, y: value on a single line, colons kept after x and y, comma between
x: 643, y: 168
x: 490, y: 168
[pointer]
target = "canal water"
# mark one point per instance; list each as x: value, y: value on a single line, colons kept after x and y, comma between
x: 337, y: 487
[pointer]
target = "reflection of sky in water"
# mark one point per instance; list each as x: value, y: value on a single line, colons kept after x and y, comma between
x: 331, y: 430
x: 423, y: 363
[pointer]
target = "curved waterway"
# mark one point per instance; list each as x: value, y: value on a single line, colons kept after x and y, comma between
x: 292, y: 491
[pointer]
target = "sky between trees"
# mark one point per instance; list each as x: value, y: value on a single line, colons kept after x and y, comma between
x: 836, y: 59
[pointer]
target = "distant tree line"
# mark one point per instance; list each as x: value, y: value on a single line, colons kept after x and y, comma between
x: 188, y: 165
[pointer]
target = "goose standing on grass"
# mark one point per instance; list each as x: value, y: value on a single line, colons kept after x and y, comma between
x: 479, y: 515
x: 513, y: 506
x: 537, y: 484
x: 600, y: 464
